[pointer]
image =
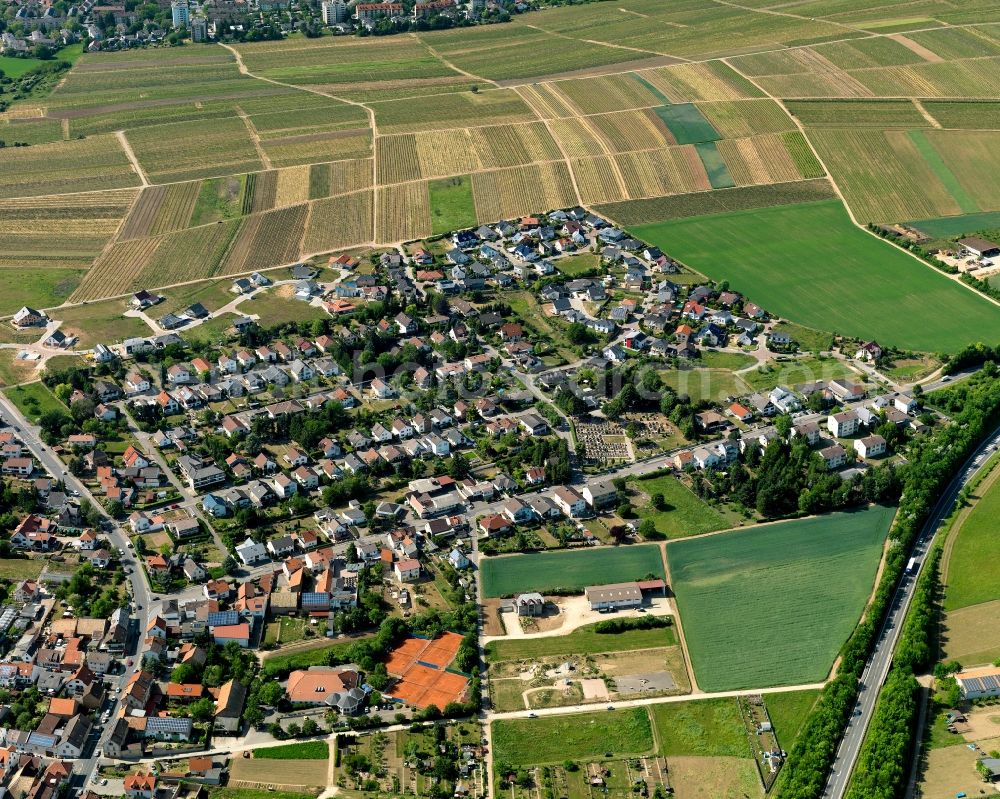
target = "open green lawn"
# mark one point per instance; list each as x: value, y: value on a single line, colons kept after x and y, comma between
x: 706, y: 728
x: 34, y: 399
x: 274, y: 310
x: 213, y: 295
x: 581, y: 736
x: 306, y: 750
x: 705, y: 384
x: 793, y: 372
x: 685, y: 514
x: 451, y: 204
x: 949, y: 226
x: 583, y: 640
x: 771, y: 605
x: 37, y: 288
x: 711, y: 359
x: 788, y: 712
x: 810, y: 264
x: 976, y: 543
x: 808, y: 339
x: 17, y: 569
x: 101, y: 323
x: 577, y: 264
x: 569, y: 569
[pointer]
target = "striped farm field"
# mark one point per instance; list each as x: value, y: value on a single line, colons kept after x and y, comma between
x: 65, y: 167
x: 161, y: 209
x: 446, y: 152
x: 291, y: 186
x: 858, y: 113
x: 114, y: 272
x: 973, y: 157
x: 166, y: 154
x: 577, y: 137
x: 265, y: 240
x: 758, y: 160
x: 545, y: 100
x: 683, y: 83
x: 73, y: 228
x: 492, y: 107
x: 882, y: 175
x: 310, y: 148
x: 672, y: 170
x: 514, y: 145
x: 522, y: 190
x: 739, y: 118
x: 632, y: 130
x: 608, y: 93
x: 397, y: 158
x: 339, y: 222
x: 403, y: 212
x: 597, y: 179
x: 982, y: 115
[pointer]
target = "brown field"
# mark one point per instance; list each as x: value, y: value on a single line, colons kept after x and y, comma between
x: 950, y: 770
x: 514, y: 145
x: 113, y: 273
x: 718, y: 777
x: 398, y: 159
x: 972, y: 635
x: 265, y: 240
x: 606, y: 93
x: 688, y: 82
x: 161, y: 209
x: 292, y: 186
x: 446, y: 152
x: 314, y: 148
x: 299, y: 773
x: 513, y: 192
x: 578, y: 138
x: 598, y: 179
x: 633, y: 130
x: 758, y: 160
x: 404, y: 212
x: 545, y: 100
x: 673, y: 170
x: 339, y: 222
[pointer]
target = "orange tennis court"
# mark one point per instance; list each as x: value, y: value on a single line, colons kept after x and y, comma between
x: 420, y: 666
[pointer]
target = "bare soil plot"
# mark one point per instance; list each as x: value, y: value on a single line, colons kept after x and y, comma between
x: 950, y: 770
x: 718, y: 777
x: 291, y: 773
x: 972, y: 634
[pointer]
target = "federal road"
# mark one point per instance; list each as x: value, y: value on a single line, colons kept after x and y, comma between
x: 877, y: 669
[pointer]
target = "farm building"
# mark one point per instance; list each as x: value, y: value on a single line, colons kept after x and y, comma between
x: 613, y: 597
x: 981, y: 248
x: 979, y: 683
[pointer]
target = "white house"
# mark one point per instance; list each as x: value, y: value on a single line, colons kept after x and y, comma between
x: 870, y: 447
x: 842, y: 424
x: 251, y: 552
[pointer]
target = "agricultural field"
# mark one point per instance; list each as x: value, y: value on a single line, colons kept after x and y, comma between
x: 339, y: 222
x: 569, y: 570
x: 265, y: 240
x: 166, y: 155
x: 735, y: 119
x: 307, y: 750
x: 489, y: 107
x: 513, y: 192
x: 965, y: 115
x: 93, y: 164
x: 310, y: 148
x: 403, y: 212
x: 161, y: 209
x: 672, y: 170
x: 305, y: 775
x: 686, y: 123
x: 582, y: 736
x: 582, y: 640
x: 762, y: 243
x: 37, y: 288
x: 771, y: 605
x: 451, y: 204
x: 974, y: 543
x: 447, y: 152
x: 879, y: 114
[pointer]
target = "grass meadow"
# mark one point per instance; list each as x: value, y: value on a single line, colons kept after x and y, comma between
x: 306, y: 750
x: 569, y: 570
x: 685, y: 514
x: 808, y: 263
x: 34, y: 399
x: 976, y: 542
x: 583, y: 640
x: 771, y: 605
x: 584, y: 736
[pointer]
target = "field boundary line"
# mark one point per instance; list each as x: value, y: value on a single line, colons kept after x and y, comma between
x: 448, y: 63
x: 771, y: 12
x: 681, y: 638
x: 118, y: 230
x: 558, y: 35
x: 569, y: 166
x: 850, y: 213
x: 925, y: 113
x: 255, y: 138
x: 133, y: 159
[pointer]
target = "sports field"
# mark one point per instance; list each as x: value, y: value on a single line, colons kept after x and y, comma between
x: 809, y: 264
x: 772, y: 605
x: 582, y: 736
x: 569, y: 570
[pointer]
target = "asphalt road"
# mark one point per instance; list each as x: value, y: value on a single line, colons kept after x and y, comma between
x: 877, y: 669
x: 29, y: 434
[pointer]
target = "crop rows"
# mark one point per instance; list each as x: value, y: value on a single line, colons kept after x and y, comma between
x: 577, y: 138
x: 265, y: 240
x: 491, y: 107
x: 513, y: 192
x: 447, y: 152
x: 608, y: 93
x: 761, y: 159
x: 514, y: 145
x: 597, y: 179
x: 223, y: 147
x: 64, y: 167
x: 115, y: 271
x: 689, y: 82
x: 161, y: 209
x: 398, y: 160
x: 404, y: 212
x: 310, y: 149
x: 339, y: 222
x: 259, y: 193
x: 633, y: 130
x: 737, y: 119
x: 672, y: 170
x: 967, y: 116
x: 973, y: 157
x: 292, y: 186
x: 545, y: 100
x: 858, y: 113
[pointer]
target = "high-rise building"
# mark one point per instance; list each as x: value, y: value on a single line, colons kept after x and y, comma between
x: 199, y: 29
x: 180, y: 13
x: 335, y: 11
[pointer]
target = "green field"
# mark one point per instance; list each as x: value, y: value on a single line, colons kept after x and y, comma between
x: 687, y: 124
x: 17, y: 569
x: 780, y: 256
x: 451, y: 204
x: 685, y: 513
x: 583, y: 640
x: 306, y: 750
x: 34, y: 399
x: 795, y: 372
x: 38, y: 288
x: 788, y: 712
x: 944, y: 174
x: 705, y: 384
x: 578, y: 264
x: 715, y: 165
x: 581, y: 736
x: 772, y: 605
x: 946, y: 227
x: 569, y: 570
x: 976, y: 542
x: 705, y: 728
